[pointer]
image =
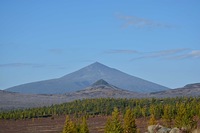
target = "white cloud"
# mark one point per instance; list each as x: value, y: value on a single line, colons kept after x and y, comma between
x: 141, y: 22
x: 195, y: 53
x: 191, y: 54
x: 161, y: 54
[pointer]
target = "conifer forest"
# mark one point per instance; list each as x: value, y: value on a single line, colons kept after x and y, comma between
x: 121, y: 113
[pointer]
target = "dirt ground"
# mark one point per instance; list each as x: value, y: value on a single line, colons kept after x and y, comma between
x: 48, y: 125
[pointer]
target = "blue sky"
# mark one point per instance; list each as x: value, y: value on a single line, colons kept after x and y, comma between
x: 157, y: 40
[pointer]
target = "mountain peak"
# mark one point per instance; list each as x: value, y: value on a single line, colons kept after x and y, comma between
x: 100, y: 82
x: 96, y: 68
x: 97, y: 64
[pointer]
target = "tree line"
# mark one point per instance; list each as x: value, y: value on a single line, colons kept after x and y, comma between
x: 183, y: 111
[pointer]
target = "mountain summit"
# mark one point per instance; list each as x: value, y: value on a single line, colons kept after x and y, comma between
x: 86, y: 77
x: 100, y: 82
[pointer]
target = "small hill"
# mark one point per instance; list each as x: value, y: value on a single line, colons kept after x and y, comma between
x: 86, y: 77
x: 102, y: 89
x: 100, y: 82
x: 187, y: 90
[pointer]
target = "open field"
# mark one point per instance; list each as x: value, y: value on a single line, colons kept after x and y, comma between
x: 48, y: 125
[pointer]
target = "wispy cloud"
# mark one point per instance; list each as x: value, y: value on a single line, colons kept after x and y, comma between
x: 195, y: 54
x: 141, y: 22
x: 31, y: 65
x: 172, y: 54
x: 191, y: 54
x: 164, y: 53
x: 21, y: 65
x: 121, y: 51
x: 168, y: 54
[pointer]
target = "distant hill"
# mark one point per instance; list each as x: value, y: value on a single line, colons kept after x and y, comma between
x: 102, y: 89
x: 85, y: 77
x: 188, y: 90
x: 12, y: 100
x: 99, y: 89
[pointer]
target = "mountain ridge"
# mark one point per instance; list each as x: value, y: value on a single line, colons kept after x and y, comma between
x: 99, y: 89
x: 84, y: 77
x: 12, y: 100
x: 188, y: 90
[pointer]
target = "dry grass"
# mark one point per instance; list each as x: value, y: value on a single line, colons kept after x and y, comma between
x: 48, y: 125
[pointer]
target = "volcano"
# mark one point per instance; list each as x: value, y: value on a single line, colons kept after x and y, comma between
x: 85, y: 77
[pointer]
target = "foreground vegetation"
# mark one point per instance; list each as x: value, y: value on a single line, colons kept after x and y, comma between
x: 179, y: 112
x: 113, y: 125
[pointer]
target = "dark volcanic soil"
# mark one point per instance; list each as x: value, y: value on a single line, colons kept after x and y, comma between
x: 48, y: 125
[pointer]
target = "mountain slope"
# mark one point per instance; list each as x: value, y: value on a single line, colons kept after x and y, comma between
x: 85, y: 77
x: 100, y: 89
x: 187, y: 90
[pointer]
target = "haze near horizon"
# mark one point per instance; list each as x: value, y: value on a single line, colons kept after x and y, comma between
x: 155, y: 40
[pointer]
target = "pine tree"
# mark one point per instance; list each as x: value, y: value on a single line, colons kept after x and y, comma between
x: 84, y: 126
x: 167, y: 115
x: 144, y: 112
x: 69, y: 126
x: 181, y: 115
x: 129, y: 122
x: 184, y: 117
x: 108, y: 126
x: 114, y: 125
x: 152, y: 120
x: 152, y: 110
